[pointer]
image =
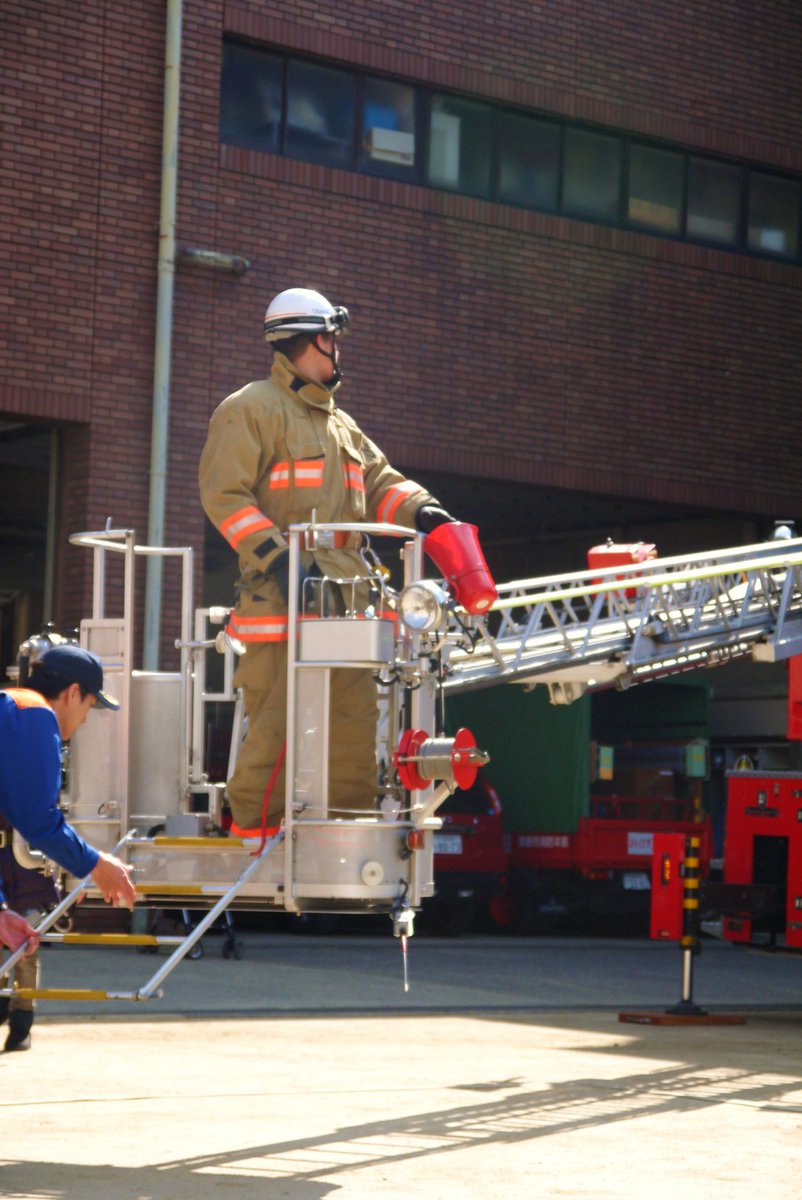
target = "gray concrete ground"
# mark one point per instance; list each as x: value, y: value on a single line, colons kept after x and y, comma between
x: 304, y: 1071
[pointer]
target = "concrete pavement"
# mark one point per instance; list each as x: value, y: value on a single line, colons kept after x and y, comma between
x: 288, y: 974
x: 504, y: 1072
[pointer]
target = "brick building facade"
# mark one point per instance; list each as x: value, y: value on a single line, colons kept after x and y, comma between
x: 549, y: 374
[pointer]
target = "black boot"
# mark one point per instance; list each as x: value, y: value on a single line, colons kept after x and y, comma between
x: 4, y: 1003
x: 19, y: 1030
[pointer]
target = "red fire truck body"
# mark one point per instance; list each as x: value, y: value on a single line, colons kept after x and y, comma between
x: 759, y: 896
x: 763, y: 848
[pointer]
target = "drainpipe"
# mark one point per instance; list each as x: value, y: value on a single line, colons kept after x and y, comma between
x: 164, y: 334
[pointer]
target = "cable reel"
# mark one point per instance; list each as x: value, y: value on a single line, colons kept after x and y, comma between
x: 420, y: 759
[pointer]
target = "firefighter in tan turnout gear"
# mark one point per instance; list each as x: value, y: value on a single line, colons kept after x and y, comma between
x: 276, y: 451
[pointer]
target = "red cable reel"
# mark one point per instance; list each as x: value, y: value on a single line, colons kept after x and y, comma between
x: 420, y: 759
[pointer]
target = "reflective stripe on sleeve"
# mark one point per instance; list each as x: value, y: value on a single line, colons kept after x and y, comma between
x: 242, y: 523
x: 395, y: 497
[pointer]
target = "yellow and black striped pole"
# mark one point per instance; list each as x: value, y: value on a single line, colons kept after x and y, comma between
x: 689, y: 942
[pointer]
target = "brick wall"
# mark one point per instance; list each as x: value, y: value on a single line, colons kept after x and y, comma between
x: 497, y: 343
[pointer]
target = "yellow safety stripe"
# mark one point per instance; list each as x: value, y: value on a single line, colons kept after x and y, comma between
x: 208, y: 843
x: 62, y: 994
x: 110, y: 939
x: 179, y: 889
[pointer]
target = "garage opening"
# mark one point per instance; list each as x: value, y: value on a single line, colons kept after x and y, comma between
x: 28, y: 456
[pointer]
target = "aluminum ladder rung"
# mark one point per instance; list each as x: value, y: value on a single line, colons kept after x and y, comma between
x: 151, y: 989
x: 194, y: 843
x: 70, y: 994
x: 112, y: 939
x: 180, y: 889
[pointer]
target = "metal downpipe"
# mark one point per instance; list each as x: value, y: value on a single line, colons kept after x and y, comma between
x: 164, y: 333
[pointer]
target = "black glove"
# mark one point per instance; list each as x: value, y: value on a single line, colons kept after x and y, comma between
x: 431, y: 516
x: 280, y: 574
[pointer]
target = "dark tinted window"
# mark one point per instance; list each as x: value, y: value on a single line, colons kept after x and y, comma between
x: 321, y: 103
x: 654, y: 199
x: 714, y: 197
x: 459, y: 145
x: 773, y: 214
x: 251, y: 98
x: 529, y: 161
x: 591, y: 175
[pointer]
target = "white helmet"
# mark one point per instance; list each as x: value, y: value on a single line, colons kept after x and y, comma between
x: 300, y: 310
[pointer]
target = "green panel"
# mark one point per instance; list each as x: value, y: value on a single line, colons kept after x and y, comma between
x: 539, y: 754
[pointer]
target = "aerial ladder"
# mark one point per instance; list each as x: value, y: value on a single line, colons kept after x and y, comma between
x: 137, y: 782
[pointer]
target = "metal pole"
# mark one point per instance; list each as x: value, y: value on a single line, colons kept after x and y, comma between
x: 689, y: 942
x: 164, y: 332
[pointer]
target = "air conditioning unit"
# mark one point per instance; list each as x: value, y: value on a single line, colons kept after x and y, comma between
x: 392, y: 146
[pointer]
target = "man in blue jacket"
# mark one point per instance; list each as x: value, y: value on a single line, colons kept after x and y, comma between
x: 34, y: 721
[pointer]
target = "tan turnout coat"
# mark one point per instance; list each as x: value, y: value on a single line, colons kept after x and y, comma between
x: 277, y: 451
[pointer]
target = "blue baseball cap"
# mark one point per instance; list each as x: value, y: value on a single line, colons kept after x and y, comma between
x: 68, y: 663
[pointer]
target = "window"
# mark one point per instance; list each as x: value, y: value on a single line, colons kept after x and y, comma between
x: 529, y: 161
x: 714, y: 198
x: 459, y: 145
x: 321, y: 105
x: 388, y: 127
x: 773, y: 214
x: 250, y: 98
x: 592, y: 175
x: 656, y: 180
x: 343, y: 117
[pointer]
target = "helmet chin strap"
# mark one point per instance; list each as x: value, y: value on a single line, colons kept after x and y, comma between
x: 336, y: 375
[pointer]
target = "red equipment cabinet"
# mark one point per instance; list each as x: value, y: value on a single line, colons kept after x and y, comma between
x: 763, y: 846
x: 668, y: 891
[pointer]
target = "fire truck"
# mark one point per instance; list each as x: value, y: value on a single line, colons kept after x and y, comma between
x: 137, y: 784
x: 565, y: 842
